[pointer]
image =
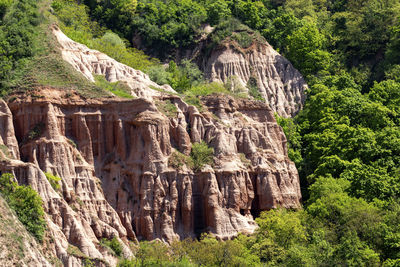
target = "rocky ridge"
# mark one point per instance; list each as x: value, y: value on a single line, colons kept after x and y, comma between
x: 280, y: 84
x: 113, y: 156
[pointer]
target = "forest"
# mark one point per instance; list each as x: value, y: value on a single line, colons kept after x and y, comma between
x: 345, y: 142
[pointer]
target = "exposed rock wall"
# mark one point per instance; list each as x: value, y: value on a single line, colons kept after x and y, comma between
x: 113, y: 156
x: 280, y: 84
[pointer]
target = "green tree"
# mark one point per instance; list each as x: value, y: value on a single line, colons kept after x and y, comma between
x: 306, y: 49
x: 201, y: 155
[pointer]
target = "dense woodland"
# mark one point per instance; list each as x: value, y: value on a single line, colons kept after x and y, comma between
x: 345, y: 142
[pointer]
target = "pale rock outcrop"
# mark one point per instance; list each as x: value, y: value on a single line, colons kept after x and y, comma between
x: 91, y: 62
x: 280, y: 84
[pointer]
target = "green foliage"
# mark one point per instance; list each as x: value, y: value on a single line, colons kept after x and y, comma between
x: 246, y: 162
x: 113, y: 244
x: 201, y: 155
x: 205, y: 89
x: 4, y: 4
x: 26, y: 203
x: 117, y: 88
x: 54, y: 180
x: 152, y: 254
x: 294, y: 139
x: 76, y: 24
x: 17, y: 37
x: 75, y: 251
x: 253, y: 89
x: 305, y: 49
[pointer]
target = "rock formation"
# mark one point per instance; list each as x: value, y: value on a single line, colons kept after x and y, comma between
x: 279, y: 83
x: 114, y: 158
x: 91, y: 62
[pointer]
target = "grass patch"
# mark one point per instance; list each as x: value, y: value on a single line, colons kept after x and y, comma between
x: 253, y: 89
x: 72, y: 142
x: 41, y: 63
x: 75, y: 251
x: 167, y: 108
x: 5, y: 151
x: 54, y: 180
x: 177, y: 160
x: 246, y: 162
x: 117, y: 88
x: 207, y: 89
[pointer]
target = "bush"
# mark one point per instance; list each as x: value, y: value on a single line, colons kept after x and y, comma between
x: 54, y: 180
x: 205, y: 89
x: 158, y: 74
x: 113, y: 244
x: 201, y: 155
x: 26, y: 203
x: 76, y: 24
x: 253, y: 89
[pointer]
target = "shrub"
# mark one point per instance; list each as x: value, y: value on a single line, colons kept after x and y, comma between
x: 158, y: 74
x: 36, y: 131
x: 253, y: 89
x: 54, y: 180
x: 243, y: 38
x: 26, y: 203
x: 113, y: 244
x: 194, y: 101
x: 201, y: 155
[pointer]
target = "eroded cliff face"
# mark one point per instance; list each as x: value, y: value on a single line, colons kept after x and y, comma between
x: 279, y: 83
x: 114, y: 158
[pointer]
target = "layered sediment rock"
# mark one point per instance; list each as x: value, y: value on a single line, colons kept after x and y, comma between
x: 112, y: 156
x: 279, y: 83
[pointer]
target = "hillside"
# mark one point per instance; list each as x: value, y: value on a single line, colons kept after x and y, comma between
x: 199, y: 133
